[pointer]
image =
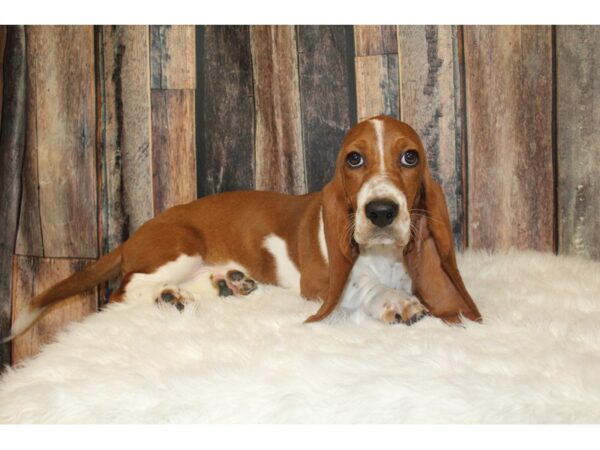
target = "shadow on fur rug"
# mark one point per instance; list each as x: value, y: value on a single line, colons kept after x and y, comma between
x: 535, y: 359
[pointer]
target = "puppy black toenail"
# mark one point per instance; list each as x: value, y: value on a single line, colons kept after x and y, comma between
x: 167, y: 296
x: 415, y: 318
x: 235, y: 275
x: 224, y: 290
x: 179, y: 306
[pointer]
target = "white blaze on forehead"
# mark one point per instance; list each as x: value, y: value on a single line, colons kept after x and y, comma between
x: 378, y: 125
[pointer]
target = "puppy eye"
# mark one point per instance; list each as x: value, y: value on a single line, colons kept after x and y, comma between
x: 410, y: 158
x: 355, y: 159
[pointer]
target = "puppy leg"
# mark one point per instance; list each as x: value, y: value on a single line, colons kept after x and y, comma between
x: 223, y: 280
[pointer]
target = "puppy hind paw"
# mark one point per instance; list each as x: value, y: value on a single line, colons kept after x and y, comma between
x: 173, y: 296
x: 234, y: 282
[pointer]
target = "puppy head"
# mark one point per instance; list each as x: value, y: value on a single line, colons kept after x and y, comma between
x: 381, y: 167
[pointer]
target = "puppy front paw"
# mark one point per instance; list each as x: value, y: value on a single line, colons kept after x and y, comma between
x: 399, y: 309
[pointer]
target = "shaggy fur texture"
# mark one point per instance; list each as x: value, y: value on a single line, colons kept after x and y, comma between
x: 535, y: 359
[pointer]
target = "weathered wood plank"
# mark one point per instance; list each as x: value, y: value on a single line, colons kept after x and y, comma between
x: 125, y: 150
x: 578, y: 139
x: 2, y: 45
x: 12, y: 143
x: 173, y: 56
x: 375, y: 40
x: 226, y: 119
x: 509, y: 115
x: 377, y: 86
x: 63, y: 61
x: 29, y: 237
x: 278, y: 140
x: 327, y: 94
x: 430, y: 101
x: 31, y: 276
x: 173, y: 148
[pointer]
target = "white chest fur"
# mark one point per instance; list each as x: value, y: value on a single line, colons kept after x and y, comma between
x: 387, y: 264
x: 377, y: 268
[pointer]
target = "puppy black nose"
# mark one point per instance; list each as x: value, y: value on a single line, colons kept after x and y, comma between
x: 381, y: 212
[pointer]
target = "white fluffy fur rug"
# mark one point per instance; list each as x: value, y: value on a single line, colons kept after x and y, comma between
x: 535, y: 359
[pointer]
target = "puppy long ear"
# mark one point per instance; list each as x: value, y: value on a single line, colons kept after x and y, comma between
x: 342, y: 253
x: 431, y: 260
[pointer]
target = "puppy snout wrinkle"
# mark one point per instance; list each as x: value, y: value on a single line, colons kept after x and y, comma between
x: 381, y: 212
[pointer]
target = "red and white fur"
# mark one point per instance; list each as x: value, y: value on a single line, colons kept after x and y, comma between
x: 376, y: 241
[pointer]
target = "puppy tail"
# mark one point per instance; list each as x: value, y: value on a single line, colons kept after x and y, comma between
x: 24, y: 322
x: 106, y: 267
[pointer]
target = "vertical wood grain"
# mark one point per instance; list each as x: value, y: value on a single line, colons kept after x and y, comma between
x: 278, y: 140
x: 173, y: 57
x: 29, y: 238
x: 2, y: 45
x: 376, y: 62
x: 62, y: 59
x: 430, y: 101
x: 173, y: 148
x: 31, y: 276
x: 125, y: 147
x: 578, y: 139
x: 377, y: 86
x: 226, y: 121
x: 375, y: 40
x: 509, y: 115
x: 12, y: 148
x: 326, y: 96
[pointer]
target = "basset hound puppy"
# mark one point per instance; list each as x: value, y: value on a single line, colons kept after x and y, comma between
x: 376, y: 240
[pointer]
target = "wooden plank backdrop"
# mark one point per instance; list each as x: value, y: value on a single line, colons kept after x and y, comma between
x: 277, y: 110
x: 173, y: 75
x: 578, y: 139
x: 163, y: 114
x: 174, y: 154
x: 2, y: 46
x: 125, y: 152
x: 64, y: 116
x: 12, y: 148
x: 377, y: 83
x: 173, y: 50
x: 509, y: 106
x: 225, y: 120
